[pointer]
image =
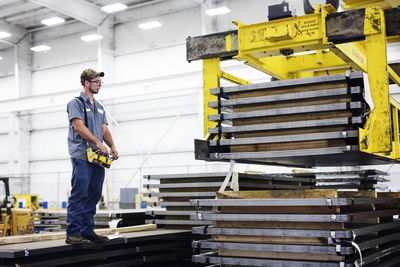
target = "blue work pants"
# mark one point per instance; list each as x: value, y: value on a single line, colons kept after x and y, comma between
x: 87, y: 184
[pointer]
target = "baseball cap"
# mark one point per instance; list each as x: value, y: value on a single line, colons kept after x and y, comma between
x: 89, y: 74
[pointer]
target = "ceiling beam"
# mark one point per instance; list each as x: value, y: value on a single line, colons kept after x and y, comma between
x: 17, y: 33
x: 77, y: 9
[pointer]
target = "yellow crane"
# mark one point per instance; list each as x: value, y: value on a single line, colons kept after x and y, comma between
x: 312, y: 45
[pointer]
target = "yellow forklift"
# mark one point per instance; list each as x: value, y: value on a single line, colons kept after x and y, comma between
x: 13, y: 221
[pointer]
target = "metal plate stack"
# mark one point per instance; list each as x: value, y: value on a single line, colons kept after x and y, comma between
x: 301, y: 228
x: 176, y: 190
x: 362, y: 179
x: 144, y: 248
x: 302, y: 122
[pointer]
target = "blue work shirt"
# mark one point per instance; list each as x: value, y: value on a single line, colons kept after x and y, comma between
x: 96, y: 117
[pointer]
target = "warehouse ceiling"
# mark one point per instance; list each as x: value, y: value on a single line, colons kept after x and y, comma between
x: 20, y: 17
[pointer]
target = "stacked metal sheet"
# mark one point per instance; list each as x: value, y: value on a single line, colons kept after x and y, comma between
x: 145, y: 248
x: 361, y: 179
x: 302, y: 122
x: 175, y: 191
x: 102, y: 218
x: 301, y: 228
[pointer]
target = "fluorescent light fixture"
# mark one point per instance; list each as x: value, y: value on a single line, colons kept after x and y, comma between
x: 150, y: 25
x: 40, y: 48
x: 218, y: 11
x: 91, y: 37
x: 113, y: 8
x: 52, y: 21
x: 4, y: 34
x: 1, y: 58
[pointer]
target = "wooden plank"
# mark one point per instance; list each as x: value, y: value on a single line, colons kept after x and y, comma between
x: 280, y: 255
x: 288, y: 146
x: 271, y: 239
x: 278, y: 194
x: 359, y: 193
x: 211, y: 45
x: 282, y: 225
x: 55, y: 236
x: 349, y: 26
x: 389, y: 194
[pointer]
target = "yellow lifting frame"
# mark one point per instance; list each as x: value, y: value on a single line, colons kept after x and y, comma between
x: 376, y: 137
x: 211, y: 79
x: 263, y: 46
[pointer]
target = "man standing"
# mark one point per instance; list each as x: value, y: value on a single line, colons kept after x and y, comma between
x: 87, y: 178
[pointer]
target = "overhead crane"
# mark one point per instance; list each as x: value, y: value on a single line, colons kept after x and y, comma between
x: 261, y: 123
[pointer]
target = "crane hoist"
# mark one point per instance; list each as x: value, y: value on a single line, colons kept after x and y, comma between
x: 328, y: 103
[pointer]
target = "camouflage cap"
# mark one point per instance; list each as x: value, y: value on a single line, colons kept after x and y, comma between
x: 89, y: 74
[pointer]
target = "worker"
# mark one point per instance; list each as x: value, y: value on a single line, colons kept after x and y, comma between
x: 87, y: 178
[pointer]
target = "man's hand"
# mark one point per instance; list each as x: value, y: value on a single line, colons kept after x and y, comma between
x: 102, y: 148
x: 114, y: 152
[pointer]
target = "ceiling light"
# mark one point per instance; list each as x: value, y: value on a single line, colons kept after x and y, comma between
x: 52, y: 21
x: 40, y: 48
x: 113, y: 7
x: 150, y: 25
x: 91, y: 37
x: 4, y: 34
x: 218, y: 11
x: 1, y: 58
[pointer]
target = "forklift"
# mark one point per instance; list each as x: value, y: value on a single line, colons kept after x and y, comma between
x: 13, y: 221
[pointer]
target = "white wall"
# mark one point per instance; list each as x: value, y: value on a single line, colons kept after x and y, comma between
x: 156, y: 100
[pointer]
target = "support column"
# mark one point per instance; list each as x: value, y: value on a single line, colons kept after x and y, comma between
x: 19, y: 134
x: 106, y: 49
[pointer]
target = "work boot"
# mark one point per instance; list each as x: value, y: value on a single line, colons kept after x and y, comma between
x: 76, y: 240
x: 96, y: 238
